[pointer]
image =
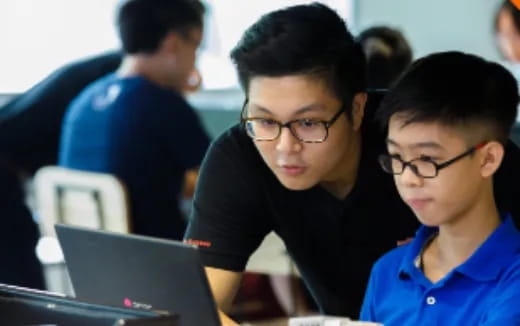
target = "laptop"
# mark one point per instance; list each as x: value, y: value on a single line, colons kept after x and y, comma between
x: 138, y: 271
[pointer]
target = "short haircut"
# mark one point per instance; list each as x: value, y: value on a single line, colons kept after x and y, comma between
x: 143, y: 24
x: 302, y: 40
x: 388, y: 54
x: 507, y: 5
x: 455, y: 89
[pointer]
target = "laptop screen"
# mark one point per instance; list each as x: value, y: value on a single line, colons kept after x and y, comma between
x: 138, y: 271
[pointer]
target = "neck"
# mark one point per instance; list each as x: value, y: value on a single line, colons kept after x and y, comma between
x: 459, y: 239
x: 148, y: 66
x: 341, y: 183
x: 456, y: 243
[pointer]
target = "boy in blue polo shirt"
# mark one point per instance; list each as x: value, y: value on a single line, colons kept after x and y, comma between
x: 448, y: 119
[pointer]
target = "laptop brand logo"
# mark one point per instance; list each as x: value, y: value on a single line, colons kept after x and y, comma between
x: 134, y: 304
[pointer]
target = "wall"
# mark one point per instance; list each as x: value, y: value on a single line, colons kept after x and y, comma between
x: 218, y: 109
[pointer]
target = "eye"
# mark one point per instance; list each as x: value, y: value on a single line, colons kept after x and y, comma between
x: 427, y: 158
x: 308, y: 124
x: 395, y: 156
x: 266, y: 122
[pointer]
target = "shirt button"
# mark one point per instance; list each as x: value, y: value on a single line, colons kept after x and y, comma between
x: 430, y: 300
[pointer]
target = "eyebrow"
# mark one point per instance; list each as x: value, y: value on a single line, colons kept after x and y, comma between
x: 431, y: 145
x: 305, y: 109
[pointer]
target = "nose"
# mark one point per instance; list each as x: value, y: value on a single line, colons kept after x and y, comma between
x: 409, y: 178
x: 287, y: 142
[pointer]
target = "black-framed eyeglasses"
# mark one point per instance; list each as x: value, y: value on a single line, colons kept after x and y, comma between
x: 423, y: 167
x: 305, y: 130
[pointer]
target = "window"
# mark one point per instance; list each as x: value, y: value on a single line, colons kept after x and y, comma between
x: 224, y: 27
x: 38, y: 36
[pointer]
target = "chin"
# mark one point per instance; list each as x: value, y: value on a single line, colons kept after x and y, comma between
x: 298, y: 183
x: 428, y: 219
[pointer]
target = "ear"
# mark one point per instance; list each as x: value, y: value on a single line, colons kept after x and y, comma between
x: 170, y: 42
x: 358, y: 109
x: 491, y: 157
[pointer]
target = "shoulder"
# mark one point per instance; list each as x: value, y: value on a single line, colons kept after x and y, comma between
x: 90, y: 92
x: 232, y: 159
x: 235, y: 143
x: 392, y: 260
x: 234, y: 137
x: 507, y: 294
x: 386, y: 271
x: 511, y: 274
x: 165, y: 101
x: 234, y: 155
x: 98, y: 85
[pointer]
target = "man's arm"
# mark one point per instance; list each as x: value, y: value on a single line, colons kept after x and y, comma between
x: 229, y: 218
x: 224, y: 285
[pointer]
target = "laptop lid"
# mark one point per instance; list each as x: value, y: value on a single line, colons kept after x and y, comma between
x: 138, y: 271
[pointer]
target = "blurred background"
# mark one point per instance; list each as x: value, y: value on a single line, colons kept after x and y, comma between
x: 38, y: 36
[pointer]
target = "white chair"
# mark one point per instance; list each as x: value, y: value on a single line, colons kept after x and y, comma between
x: 88, y: 199
x: 271, y: 258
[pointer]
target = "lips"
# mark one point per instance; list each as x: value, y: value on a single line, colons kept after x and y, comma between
x: 292, y: 170
x: 418, y: 203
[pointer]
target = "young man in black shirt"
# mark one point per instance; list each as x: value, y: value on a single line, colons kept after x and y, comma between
x: 303, y: 163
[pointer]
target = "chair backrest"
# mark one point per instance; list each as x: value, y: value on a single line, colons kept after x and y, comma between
x: 89, y: 199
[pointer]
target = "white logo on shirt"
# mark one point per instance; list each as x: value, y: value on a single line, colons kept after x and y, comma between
x: 102, y: 101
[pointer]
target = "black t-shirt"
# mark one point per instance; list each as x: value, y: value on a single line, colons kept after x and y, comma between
x: 334, y: 242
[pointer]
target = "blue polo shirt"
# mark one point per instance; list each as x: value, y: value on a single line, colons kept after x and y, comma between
x: 484, y: 290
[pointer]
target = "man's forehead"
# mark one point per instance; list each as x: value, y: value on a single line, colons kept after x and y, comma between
x: 304, y: 84
x: 301, y: 108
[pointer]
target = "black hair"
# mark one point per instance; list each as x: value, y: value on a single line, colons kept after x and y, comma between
x: 455, y: 89
x: 304, y: 39
x: 143, y: 24
x: 507, y: 5
x: 388, y: 54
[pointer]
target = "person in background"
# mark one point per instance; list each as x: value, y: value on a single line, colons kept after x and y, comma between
x: 507, y: 31
x: 136, y: 123
x: 449, y: 118
x: 388, y: 54
x: 30, y: 123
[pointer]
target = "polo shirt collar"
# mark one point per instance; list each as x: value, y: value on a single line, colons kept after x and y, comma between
x: 485, y: 263
x: 495, y: 254
x: 408, y: 265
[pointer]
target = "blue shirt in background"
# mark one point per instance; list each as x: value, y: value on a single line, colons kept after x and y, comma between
x: 484, y: 290
x: 146, y: 135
